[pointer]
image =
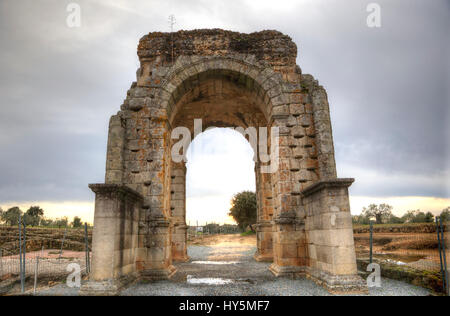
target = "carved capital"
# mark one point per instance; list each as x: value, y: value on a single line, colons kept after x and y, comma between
x: 285, y: 218
x: 329, y: 183
x: 115, y: 191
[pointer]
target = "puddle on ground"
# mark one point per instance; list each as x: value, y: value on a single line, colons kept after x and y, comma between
x: 399, y: 257
x: 215, y: 262
x: 215, y: 281
x: 210, y: 281
x: 400, y: 263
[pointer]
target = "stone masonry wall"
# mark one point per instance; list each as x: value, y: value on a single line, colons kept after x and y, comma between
x: 115, y: 235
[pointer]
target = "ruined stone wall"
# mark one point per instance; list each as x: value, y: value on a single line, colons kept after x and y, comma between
x: 272, y: 47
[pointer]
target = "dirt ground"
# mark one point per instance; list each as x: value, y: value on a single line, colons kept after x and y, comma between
x: 51, y: 254
x: 39, y: 237
x: 229, y: 247
x: 237, y: 239
x: 417, y: 250
x: 52, y: 269
x: 224, y: 265
x: 223, y: 258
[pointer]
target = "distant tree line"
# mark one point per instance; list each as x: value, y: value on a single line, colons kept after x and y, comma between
x: 382, y: 214
x: 34, y: 216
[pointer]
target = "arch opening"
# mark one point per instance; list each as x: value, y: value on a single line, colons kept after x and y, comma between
x: 219, y: 165
x: 221, y: 99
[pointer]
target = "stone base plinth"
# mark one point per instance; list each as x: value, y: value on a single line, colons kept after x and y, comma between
x: 338, y: 284
x: 159, y: 274
x: 106, y: 287
x: 287, y: 271
x: 263, y: 257
x: 181, y: 259
x: 264, y: 242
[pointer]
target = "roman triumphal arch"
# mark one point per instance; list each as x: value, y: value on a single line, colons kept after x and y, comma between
x: 192, y: 80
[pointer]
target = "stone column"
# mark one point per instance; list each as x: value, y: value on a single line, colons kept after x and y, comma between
x: 264, y: 225
x: 286, y: 240
x: 115, y: 150
x: 114, y: 240
x: 332, y: 258
x: 178, y: 209
x: 157, y: 225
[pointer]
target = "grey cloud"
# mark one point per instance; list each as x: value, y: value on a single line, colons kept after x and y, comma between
x: 388, y: 87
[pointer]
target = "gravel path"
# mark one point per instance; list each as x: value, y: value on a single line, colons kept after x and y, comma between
x: 254, y: 279
x: 229, y: 269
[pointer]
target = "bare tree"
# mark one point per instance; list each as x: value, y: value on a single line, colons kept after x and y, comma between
x: 380, y: 212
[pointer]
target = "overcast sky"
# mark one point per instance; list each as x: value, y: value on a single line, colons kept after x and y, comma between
x: 387, y: 87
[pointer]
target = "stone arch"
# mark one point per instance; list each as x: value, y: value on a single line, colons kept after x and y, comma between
x: 260, y: 85
x: 308, y: 231
x: 265, y: 82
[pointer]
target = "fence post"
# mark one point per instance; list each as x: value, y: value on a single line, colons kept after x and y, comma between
x: 22, y: 285
x: 36, y: 269
x: 371, y: 242
x: 444, y: 255
x: 20, y: 250
x: 86, y: 240
x: 24, y: 261
x: 440, y: 253
x: 62, y: 243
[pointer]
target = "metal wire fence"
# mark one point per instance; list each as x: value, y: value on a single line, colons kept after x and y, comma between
x: 45, y: 264
x: 415, y: 247
x: 42, y: 252
x: 38, y: 237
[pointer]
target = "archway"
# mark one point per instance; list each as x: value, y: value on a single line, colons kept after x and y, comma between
x: 219, y: 165
x: 225, y: 79
x: 217, y: 98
